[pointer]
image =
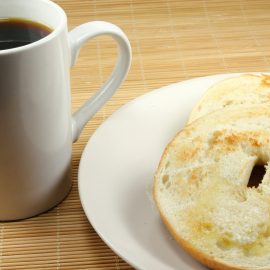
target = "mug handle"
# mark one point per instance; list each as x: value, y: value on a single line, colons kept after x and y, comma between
x: 77, y: 37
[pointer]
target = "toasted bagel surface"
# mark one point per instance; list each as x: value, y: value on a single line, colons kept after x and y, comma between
x: 247, y: 89
x: 201, y: 188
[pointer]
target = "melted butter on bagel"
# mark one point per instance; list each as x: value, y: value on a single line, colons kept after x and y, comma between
x: 201, y: 188
x: 230, y: 216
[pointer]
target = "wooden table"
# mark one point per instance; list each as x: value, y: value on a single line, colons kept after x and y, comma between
x: 172, y: 41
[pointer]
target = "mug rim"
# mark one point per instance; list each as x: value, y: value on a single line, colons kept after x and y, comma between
x: 55, y: 32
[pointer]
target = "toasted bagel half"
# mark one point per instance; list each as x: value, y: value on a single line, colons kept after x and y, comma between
x: 202, y: 193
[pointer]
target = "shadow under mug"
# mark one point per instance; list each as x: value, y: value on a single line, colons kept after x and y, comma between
x: 37, y: 128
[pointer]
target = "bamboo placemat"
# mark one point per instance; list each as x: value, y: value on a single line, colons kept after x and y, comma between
x: 172, y: 41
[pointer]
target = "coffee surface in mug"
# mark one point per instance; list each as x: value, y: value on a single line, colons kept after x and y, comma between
x: 15, y: 32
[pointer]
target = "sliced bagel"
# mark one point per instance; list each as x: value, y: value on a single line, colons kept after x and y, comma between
x: 201, y: 188
x: 246, y: 89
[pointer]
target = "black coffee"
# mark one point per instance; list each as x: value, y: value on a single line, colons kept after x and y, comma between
x: 19, y: 32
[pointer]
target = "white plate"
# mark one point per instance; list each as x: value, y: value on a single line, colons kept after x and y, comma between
x: 116, y: 174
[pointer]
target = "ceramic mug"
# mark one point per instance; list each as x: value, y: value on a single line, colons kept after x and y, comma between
x: 37, y: 128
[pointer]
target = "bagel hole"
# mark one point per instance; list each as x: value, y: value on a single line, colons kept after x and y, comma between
x: 256, y: 176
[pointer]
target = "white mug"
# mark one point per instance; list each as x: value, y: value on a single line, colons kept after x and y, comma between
x: 37, y: 128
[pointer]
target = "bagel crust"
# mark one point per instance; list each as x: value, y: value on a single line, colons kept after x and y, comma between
x: 201, y: 188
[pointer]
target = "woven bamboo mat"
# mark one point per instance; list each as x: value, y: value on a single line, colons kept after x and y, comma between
x: 172, y: 41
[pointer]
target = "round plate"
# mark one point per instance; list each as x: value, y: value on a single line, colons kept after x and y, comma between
x: 117, y: 169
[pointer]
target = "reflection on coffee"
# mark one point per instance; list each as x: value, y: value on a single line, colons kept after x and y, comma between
x: 16, y: 32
